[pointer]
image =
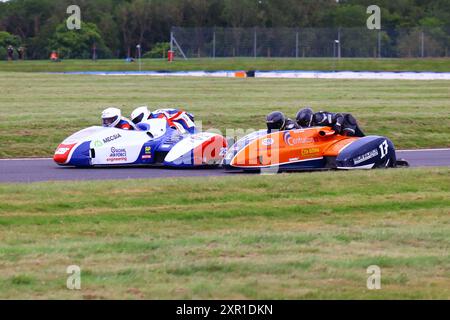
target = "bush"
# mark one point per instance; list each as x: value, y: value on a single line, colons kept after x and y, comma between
x: 159, y: 50
x: 7, y: 39
x: 3, y: 53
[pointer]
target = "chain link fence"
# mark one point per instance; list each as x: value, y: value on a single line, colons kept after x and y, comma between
x: 311, y: 42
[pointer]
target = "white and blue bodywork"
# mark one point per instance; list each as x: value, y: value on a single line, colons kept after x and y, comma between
x: 155, y: 144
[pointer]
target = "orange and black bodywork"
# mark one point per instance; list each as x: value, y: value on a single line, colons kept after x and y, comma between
x: 314, y: 148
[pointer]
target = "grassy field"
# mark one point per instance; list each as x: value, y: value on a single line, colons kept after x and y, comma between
x: 291, y: 236
x: 37, y: 111
x: 429, y: 64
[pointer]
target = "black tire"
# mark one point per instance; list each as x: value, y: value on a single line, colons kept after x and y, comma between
x: 388, y: 163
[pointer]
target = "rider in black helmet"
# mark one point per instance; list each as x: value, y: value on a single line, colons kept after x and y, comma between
x: 342, y: 123
x: 304, y: 117
x: 277, y: 121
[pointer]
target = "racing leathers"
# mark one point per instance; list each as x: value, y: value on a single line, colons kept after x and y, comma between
x: 125, y: 124
x: 290, y: 124
x: 342, y: 123
x: 177, y: 119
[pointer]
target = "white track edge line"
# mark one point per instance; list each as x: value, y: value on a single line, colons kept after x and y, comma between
x: 418, y: 150
x: 25, y: 159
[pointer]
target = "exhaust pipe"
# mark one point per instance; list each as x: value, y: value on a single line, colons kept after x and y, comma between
x: 326, y: 133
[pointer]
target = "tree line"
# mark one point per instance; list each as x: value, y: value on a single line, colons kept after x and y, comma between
x: 114, y: 27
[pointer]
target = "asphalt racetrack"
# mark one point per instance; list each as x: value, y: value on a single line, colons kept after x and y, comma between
x: 33, y: 170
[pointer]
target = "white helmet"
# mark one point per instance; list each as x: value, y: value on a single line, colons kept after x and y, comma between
x: 111, y: 117
x: 140, y: 114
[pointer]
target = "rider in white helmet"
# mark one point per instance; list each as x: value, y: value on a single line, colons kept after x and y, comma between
x: 112, y: 117
x: 176, y: 118
x: 140, y: 114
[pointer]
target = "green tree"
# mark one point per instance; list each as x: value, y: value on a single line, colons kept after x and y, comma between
x: 122, y: 24
x: 78, y: 43
x: 7, y: 39
x: 242, y: 13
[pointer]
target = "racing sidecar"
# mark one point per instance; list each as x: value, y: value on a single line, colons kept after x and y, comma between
x: 156, y: 144
x: 316, y: 148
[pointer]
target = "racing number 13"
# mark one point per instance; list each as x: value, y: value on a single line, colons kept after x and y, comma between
x: 384, y: 149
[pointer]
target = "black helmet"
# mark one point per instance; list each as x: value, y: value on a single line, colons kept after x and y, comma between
x: 304, y: 117
x: 275, y: 121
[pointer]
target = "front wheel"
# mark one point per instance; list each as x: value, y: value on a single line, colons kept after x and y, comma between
x: 389, y: 162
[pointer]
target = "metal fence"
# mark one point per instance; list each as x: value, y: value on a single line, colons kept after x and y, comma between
x: 311, y: 42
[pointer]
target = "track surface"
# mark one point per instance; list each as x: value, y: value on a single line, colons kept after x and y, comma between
x: 32, y: 170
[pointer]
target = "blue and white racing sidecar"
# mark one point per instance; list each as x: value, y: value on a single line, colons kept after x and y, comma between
x: 155, y: 144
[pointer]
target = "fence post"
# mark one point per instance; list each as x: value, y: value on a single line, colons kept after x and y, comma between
x: 334, y: 49
x: 379, y: 43
x: 339, y: 43
x: 214, y: 44
x: 171, y: 41
x: 422, y: 44
x: 296, y: 44
x: 254, y: 42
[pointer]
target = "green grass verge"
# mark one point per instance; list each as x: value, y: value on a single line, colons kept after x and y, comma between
x: 356, y: 64
x: 37, y: 111
x: 296, y: 236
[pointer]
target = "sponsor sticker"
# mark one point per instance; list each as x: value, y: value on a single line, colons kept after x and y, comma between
x: 116, y: 159
x: 291, y: 141
x: 146, y: 156
x: 366, y: 156
x: 310, y: 151
x: 112, y: 138
x: 62, y: 150
x: 117, y: 154
x: 267, y: 142
x: 98, y: 144
x: 148, y: 150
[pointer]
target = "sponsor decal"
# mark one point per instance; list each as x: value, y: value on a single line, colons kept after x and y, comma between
x: 148, y: 150
x: 293, y: 159
x: 117, y: 154
x: 267, y: 142
x: 365, y: 157
x: 112, y: 138
x: 291, y: 141
x: 287, y: 137
x: 165, y: 146
x: 62, y: 150
x: 98, y: 144
x: 310, y: 151
x: 116, y: 159
x: 146, y: 156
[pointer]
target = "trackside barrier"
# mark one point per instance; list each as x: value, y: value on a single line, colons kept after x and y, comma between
x: 294, y: 74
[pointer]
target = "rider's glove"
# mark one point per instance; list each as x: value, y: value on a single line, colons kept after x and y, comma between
x: 337, y: 128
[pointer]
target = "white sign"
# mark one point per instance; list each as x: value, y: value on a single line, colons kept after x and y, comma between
x: 74, y: 21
